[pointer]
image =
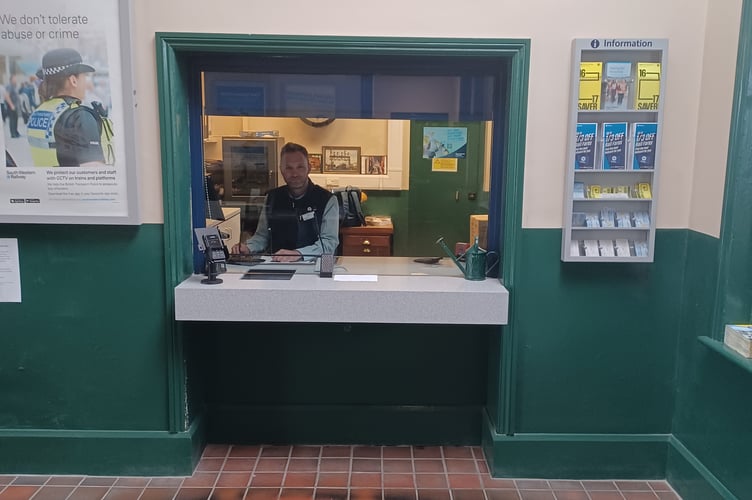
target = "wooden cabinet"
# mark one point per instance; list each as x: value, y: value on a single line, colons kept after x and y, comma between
x: 375, y: 241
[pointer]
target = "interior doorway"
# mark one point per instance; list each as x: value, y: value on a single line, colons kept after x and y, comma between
x: 445, y: 187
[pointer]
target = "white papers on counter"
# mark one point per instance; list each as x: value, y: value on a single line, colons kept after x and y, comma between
x: 355, y: 277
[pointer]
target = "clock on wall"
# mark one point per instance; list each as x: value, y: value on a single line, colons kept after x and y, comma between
x: 317, y: 122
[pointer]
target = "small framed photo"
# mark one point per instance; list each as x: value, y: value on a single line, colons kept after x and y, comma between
x: 341, y: 159
x: 315, y: 161
x: 373, y: 165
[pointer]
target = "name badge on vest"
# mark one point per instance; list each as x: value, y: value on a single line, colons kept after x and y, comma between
x: 308, y: 215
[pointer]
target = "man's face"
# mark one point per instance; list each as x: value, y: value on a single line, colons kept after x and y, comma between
x: 295, y: 171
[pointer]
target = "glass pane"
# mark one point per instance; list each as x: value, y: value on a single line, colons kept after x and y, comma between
x: 417, y: 151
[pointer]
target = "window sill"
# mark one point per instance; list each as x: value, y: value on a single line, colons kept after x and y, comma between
x: 442, y: 297
x: 726, y: 352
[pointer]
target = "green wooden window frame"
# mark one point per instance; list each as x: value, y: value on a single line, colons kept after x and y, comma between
x: 734, y: 286
x: 174, y: 54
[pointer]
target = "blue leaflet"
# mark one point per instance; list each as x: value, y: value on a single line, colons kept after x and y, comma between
x: 615, y: 146
x: 584, y: 149
x: 644, y: 137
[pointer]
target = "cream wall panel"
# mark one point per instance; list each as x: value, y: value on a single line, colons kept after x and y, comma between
x: 369, y: 135
x: 682, y: 22
x: 714, y: 115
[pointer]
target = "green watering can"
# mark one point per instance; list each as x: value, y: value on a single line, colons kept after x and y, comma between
x: 475, y: 260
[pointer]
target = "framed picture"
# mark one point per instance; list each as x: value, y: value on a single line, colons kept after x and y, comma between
x: 373, y: 165
x: 314, y: 159
x: 43, y: 188
x: 341, y: 159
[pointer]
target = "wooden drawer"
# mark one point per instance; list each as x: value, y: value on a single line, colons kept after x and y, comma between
x: 375, y: 241
x: 373, y: 245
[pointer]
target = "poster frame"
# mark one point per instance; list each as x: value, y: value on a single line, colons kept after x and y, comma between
x: 132, y: 214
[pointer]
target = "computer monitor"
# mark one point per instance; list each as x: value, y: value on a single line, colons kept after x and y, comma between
x: 213, y: 207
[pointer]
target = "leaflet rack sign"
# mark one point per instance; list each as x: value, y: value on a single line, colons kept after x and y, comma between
x: 614, y: 43
x: 68, y: 138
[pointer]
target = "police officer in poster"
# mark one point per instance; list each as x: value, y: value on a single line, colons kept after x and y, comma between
x: 63, y: 131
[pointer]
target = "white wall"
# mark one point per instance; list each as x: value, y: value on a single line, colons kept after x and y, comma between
x: 714, y: 114
x: 550, y: 24
x: 371, y: 136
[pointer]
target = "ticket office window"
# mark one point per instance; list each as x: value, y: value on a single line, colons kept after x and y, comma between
x: 390, y: 109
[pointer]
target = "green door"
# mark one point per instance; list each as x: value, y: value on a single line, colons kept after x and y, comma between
x: 441, y: 202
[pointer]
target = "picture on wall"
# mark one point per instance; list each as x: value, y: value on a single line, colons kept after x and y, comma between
x: 444, y: 142
x: 57, y: 170
x: 373, y: 165
x: 341, y: 159
x: 314, y: 159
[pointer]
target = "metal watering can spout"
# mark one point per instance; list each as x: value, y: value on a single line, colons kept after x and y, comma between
x: 475, y: 268
x: 446, y: 249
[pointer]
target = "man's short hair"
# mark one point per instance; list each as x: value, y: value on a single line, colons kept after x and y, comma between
x: 292, y: 147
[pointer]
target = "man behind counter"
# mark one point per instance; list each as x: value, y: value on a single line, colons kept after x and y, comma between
x: 298, y: 218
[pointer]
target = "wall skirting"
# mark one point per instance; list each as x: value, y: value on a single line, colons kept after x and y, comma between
x: 575, y: 456
x: 690, y: 478
x: 344, y: 424
x: 602, y: 456
x: 101, y: 452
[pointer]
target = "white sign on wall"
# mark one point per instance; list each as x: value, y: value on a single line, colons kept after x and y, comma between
x: 68, y: 108
x: 10, y: 274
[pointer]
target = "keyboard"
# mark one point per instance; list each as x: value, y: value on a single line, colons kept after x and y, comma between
x: 253, y: 260
x: 244, y: 259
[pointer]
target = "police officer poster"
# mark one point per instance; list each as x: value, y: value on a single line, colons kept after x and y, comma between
x: 67, y: 114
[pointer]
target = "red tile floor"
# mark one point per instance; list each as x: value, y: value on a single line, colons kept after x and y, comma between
x: 330, y: 472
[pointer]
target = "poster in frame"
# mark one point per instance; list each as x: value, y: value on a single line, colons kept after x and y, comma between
x: 314, y: 159
x: 97, y: 185
x: 373, y: 165
x: 341, y: 159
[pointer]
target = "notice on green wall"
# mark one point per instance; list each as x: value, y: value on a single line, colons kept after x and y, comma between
x: 10, y: 273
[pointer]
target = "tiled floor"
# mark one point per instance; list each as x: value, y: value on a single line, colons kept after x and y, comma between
x: 330, y: 472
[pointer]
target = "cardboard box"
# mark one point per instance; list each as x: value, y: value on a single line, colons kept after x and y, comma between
x: 479, y: 228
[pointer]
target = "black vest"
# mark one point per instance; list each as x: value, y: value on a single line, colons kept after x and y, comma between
x: 289, y: 227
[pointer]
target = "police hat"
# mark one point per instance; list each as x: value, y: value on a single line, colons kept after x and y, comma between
x: 64, y: 62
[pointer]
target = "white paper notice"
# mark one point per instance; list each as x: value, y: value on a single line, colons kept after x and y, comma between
x: 355, y: 277
x: 10, y: 273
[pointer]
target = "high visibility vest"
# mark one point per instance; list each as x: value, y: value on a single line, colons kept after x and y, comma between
x: 41, y: 130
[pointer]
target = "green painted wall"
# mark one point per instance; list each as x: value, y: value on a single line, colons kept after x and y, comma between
x: 710, y: 457
x: 713, y: 407
x: 346, y: 383
x: 594, y: 352
x: 76, y: 358
x: 86, y: 347
x: 83, y: 377
x: 603, y: 392
x: 596, y: 341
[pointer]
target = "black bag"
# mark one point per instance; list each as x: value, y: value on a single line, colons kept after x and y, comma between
x: 350, y: 213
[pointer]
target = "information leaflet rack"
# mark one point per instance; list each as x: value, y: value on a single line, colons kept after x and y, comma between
x: 614, y: 142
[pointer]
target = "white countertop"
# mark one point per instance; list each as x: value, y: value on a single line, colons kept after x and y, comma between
x: 425, y: 295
